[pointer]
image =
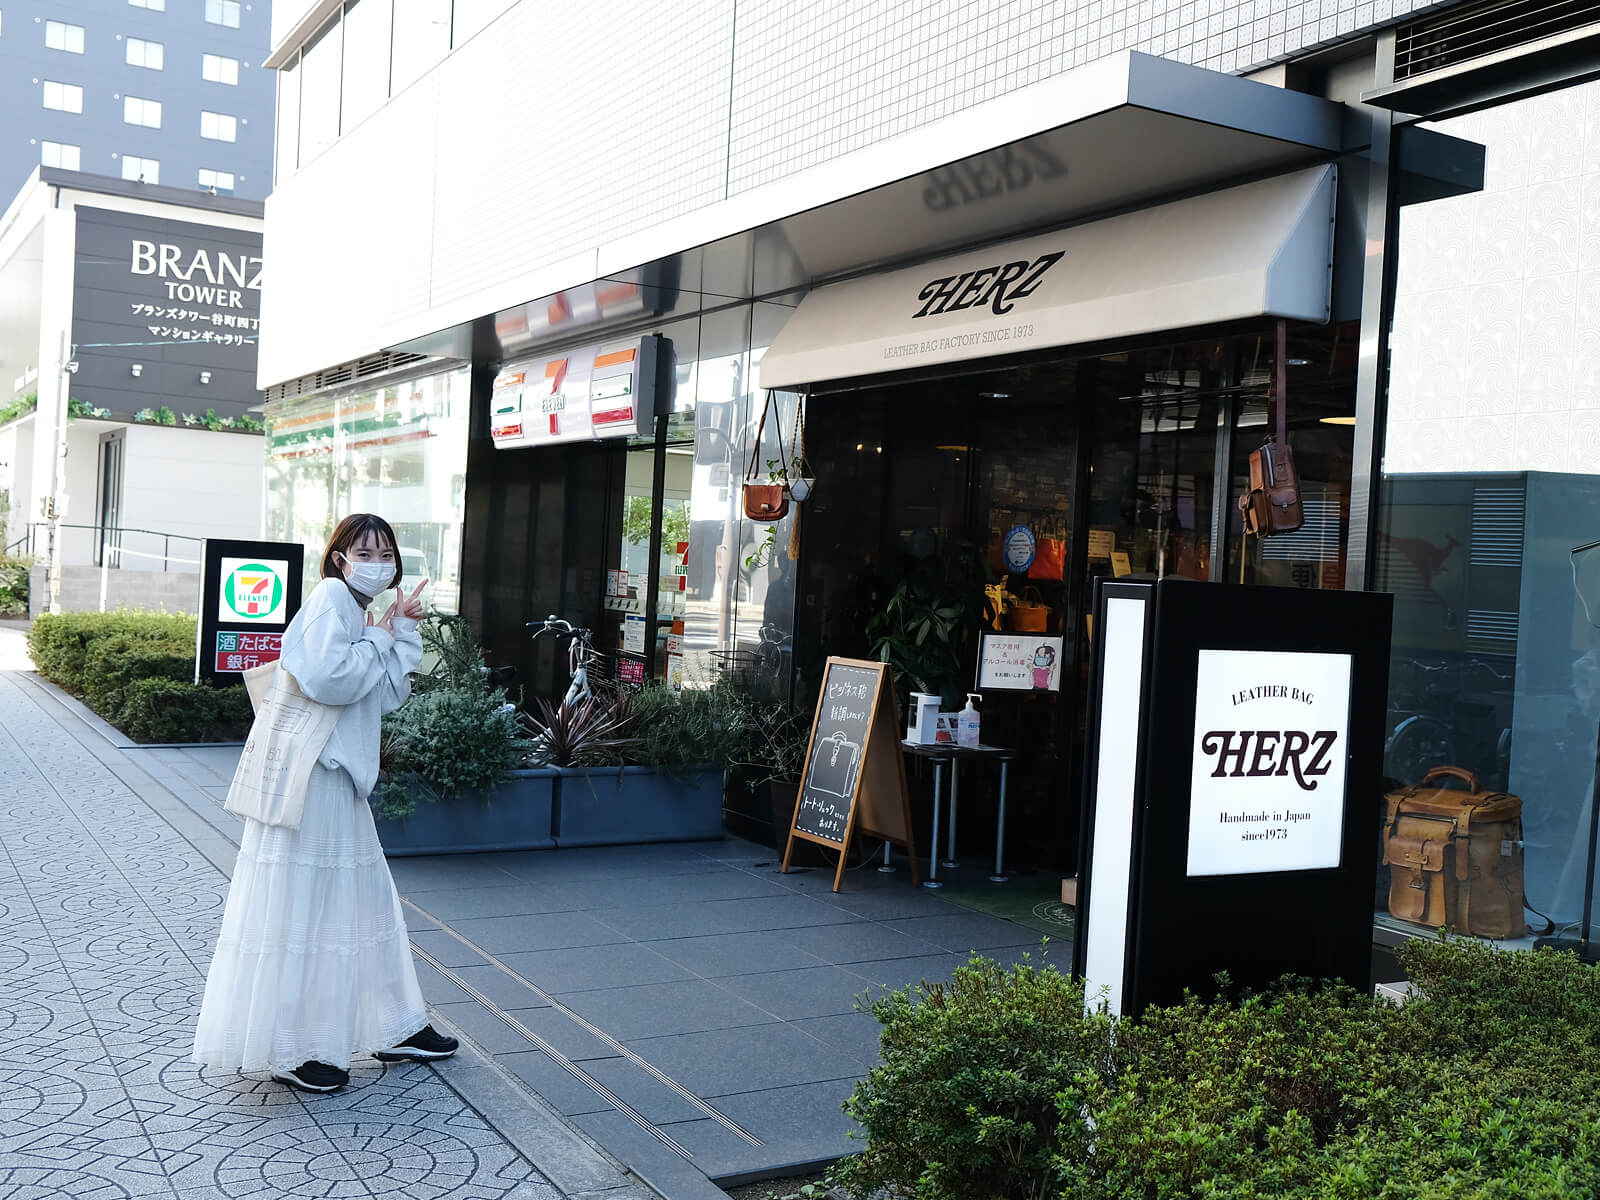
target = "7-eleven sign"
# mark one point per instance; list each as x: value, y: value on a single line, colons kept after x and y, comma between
x: 253, y: 591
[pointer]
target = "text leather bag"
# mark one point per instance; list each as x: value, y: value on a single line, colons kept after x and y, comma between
x: 1272, y: 505
x: 1454, y: 856
x: 286, y: 739
x: 767, y: 502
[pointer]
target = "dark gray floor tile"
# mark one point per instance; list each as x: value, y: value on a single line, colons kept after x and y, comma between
x: 484, y: 1028
x: 658, y: 1165
x: 445, y: 873
x: 854, y: 1033
x: 963, y: 932
x: 446, y: 949
x: 436, y: 988
x: 587, y: 967
x: 903, y: 972
x: 499, y: 988
x: 657, y: 1009
x: 859, y: 942
x: 566, y: 1035
x: 889, y: 904
x: 565, y: 1093
x: 726, y: 883
x: 741, y: 953
x: 641, y: 1091
x: 509, y: 900
x: 654, y: 921
x: 798, y: 1124
x: 808, y: 992
x: 540, y: 931
x: 748, y: 1059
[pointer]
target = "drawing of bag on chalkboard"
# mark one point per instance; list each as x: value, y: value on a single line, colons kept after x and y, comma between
x: 833, y: 766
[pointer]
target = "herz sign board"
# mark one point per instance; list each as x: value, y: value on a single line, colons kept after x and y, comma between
x: 1232, y: 785
x: 854, y: 779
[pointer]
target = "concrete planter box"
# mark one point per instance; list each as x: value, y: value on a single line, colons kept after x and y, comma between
x: 608, y: 806
x: 515, y: 816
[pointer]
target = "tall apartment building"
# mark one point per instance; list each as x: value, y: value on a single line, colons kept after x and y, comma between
x: 169, y: 92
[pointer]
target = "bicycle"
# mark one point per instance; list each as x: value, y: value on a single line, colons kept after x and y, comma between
x: 580, y: 654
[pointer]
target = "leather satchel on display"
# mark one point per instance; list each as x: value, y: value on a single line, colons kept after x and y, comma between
x: 284, y: 743
x: 765, y: 502
x: 1455, y: 856
x: 1272, y: 505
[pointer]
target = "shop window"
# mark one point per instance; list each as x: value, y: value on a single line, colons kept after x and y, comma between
x: 141, y: 170
x: 58, y: 35
x: 149, y: 55
x: 288, y: 126
x: 421, y: 39
x: 216, y: 68
x: 63, y: 97
x: 1487, y: 512
x: 58, y: 154
x: 364, y: 80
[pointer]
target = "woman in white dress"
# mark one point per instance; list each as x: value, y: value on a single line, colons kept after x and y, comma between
x: 313, y: 964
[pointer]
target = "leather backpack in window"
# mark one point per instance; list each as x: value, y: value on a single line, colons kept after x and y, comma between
x: 1272, y: 505
x: 1455, y: 856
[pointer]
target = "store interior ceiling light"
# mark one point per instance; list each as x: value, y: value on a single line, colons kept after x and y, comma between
x: 1338, y: 420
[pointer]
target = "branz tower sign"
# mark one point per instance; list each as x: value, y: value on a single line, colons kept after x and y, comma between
x: 165, y: 313
x: 1235, y: 754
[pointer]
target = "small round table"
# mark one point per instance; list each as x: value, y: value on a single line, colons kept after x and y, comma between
x: 940, y: 753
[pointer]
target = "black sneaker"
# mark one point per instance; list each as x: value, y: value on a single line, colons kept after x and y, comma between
x: 426, y: 1043
x: 314, y: 1077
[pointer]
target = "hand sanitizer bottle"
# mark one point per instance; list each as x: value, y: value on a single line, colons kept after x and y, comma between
x: 967, y: 723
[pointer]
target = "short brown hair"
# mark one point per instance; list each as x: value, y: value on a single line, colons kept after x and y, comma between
x: 351, y: 531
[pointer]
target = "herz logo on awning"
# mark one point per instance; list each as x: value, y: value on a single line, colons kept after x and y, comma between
x: 998, y: 287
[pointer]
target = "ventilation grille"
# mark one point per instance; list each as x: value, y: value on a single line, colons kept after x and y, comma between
x: 1497, y: 515
x: 1318, y: 540
x: 346, y: 373
x: 1486, y: 625
x: 1467, y: 31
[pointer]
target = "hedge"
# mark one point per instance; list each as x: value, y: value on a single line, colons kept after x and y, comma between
x: 136, y: 670
x: 1000, y: 1085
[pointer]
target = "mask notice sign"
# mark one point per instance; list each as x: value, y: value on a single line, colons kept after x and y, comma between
x: 1271, y: 744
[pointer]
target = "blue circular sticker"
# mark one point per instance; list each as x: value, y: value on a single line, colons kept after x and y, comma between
x: 1018, y: 548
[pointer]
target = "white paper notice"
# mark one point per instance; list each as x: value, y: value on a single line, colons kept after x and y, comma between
x: 1271, y: 737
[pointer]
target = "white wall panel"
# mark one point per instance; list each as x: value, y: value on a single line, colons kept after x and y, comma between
x: 561, y: 127
x: 188, y: 481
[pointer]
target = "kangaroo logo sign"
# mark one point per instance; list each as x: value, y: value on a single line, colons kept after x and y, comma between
x: 253, y: 591
x: 1270, y: 749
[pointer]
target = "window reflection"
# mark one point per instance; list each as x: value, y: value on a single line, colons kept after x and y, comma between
x: 319, y: 92
x: 421, y: 38
x: 365, y: 84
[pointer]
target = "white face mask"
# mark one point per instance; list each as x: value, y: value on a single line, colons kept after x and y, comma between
x: 368, y: 578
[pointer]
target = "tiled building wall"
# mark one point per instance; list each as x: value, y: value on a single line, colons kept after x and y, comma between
x: 554, y: 131
x: 1496, y: 342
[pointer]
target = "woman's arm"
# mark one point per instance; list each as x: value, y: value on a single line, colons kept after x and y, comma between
x: 404, y: 658
x: 328, y: 665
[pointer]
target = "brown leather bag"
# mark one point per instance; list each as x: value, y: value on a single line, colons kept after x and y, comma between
x: 1272, y: 505
x: 1455, y: 857
x: 766, y: 502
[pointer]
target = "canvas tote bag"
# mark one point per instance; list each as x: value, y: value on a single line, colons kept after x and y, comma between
x: 286, y: 739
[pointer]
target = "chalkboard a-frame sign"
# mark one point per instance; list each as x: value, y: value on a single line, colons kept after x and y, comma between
x: 855, y: 775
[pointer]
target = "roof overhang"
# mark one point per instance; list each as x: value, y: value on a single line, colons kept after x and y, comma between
x: 1120, y: 133
x: 1263, y: 249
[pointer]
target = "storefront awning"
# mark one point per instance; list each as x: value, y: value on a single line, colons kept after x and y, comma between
x: 1262, y: 249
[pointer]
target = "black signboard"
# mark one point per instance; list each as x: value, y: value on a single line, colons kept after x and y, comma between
x: 249, y: 592
x: 854, y: 778
x: 165, y: 314
x: 1234, y: 783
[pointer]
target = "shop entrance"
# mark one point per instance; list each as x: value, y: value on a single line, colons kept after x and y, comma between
x: 942, y: 499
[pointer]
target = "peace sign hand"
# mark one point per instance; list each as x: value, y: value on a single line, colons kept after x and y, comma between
x: 411, y: 606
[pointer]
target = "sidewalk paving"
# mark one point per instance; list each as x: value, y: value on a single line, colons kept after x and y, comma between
x: 687, y: 1007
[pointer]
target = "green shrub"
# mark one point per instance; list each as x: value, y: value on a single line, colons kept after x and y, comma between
x: 13, y: 584
x: 1486, y: 1086
x: 169, y: 710
x: 59, y: 644
x: 966, y: 1103
x: 110, y: 664
x: 453, y: 740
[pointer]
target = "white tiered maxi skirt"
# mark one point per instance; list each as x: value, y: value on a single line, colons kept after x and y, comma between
x: 313, y: 963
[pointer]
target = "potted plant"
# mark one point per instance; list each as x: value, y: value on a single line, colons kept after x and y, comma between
x: 765, y: 765
x: 640, y: 767
x: 451, y: 779
x: 928, y: 624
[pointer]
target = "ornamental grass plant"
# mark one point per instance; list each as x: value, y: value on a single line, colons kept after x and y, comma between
x: 999, y: 1086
